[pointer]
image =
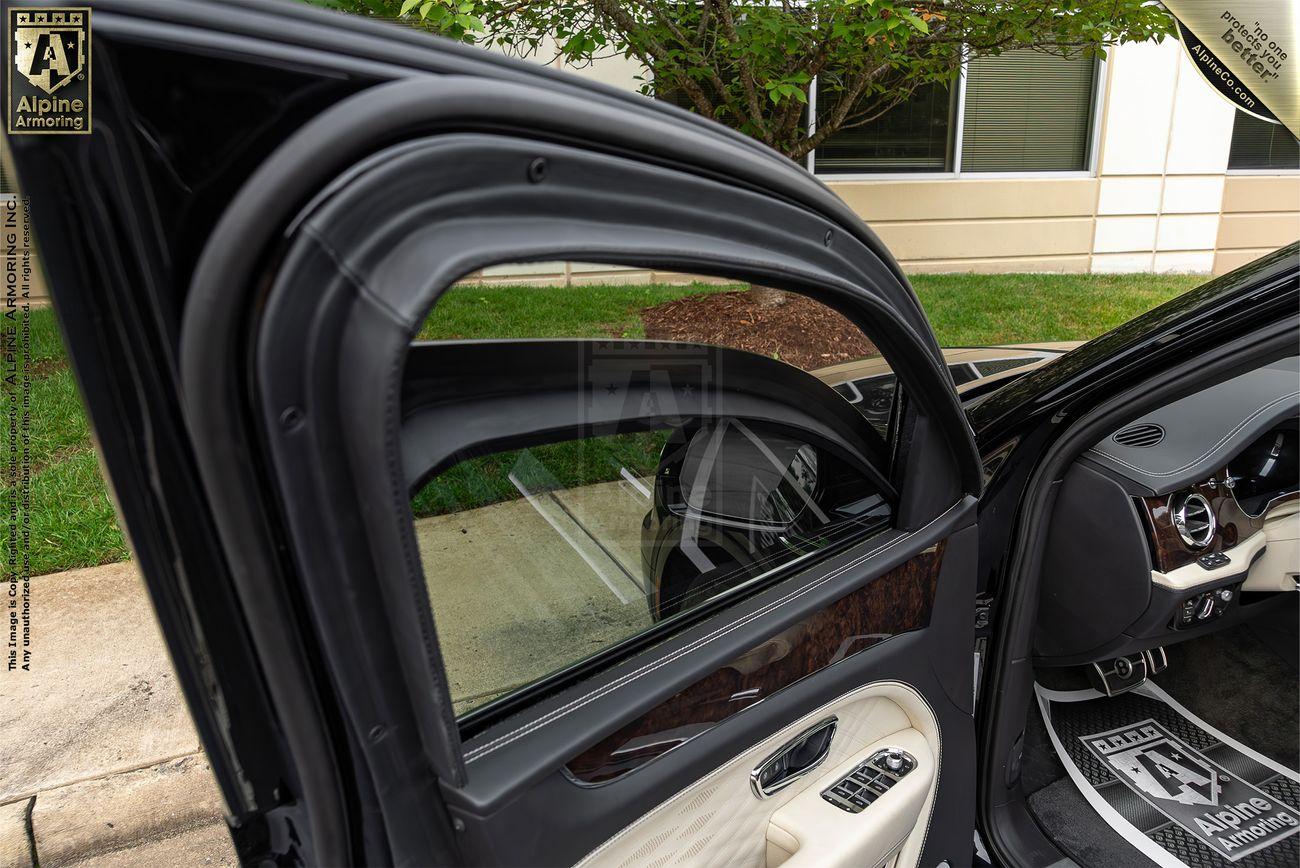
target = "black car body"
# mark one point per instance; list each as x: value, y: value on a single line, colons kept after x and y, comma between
x: 239, y: 323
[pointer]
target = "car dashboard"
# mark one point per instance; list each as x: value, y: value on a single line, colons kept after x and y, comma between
x: 1182, y: 522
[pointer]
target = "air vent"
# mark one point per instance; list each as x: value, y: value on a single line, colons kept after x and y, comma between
x: 1193, y: 519
x: 1140, y: 436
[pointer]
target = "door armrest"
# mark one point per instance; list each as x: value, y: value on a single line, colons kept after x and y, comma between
x: 810, y: 832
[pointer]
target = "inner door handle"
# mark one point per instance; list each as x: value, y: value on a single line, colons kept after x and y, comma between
x: 794, y: 759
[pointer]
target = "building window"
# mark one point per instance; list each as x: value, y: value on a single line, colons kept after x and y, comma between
x: 913, y: 136
x: 1259, y: 145
x: 1021, y: 111
x: 1028, y: 112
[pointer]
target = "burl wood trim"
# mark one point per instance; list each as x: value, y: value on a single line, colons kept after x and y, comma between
x: 1168, y: 551
x: 898, y: 601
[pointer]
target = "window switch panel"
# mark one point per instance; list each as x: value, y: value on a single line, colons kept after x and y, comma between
x: 870, y: 780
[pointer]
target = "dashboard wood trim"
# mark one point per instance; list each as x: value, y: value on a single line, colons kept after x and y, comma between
x: 895, y: 602
x: 1168, y: 551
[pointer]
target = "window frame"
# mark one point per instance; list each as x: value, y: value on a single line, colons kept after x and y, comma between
x: 958, y: 126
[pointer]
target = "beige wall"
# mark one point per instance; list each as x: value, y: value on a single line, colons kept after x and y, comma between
x: 1259, y: 214
x: 1162, y: 198
x: 38, y: 290
x: 577, y: 274
x: 1020, y: 224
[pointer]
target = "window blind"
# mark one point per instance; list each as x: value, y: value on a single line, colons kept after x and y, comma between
x: 1027, y: 112
x: 1258, y: 144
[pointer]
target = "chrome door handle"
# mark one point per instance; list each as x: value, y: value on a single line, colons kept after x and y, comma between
x: 794, y: 759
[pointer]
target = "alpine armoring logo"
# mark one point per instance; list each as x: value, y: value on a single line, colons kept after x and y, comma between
x: 1221, y: 810
x: 49, y: 49
x: 1161, y: 769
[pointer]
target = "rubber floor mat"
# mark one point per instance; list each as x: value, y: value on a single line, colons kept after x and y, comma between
x: 1178, y: 790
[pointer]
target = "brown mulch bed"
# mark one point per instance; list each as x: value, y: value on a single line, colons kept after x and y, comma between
x: 800, y: 331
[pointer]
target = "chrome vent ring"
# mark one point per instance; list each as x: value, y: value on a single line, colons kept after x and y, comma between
x: 1193, y: 519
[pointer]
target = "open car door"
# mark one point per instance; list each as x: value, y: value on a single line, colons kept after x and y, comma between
x: 242, y: 254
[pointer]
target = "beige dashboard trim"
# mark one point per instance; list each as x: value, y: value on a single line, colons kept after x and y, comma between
x: 1193, y: 575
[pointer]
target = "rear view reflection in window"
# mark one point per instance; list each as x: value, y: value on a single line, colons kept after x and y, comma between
x: 539, y: 558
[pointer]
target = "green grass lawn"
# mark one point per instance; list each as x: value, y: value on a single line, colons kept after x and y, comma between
x: 978, y: 309
x: 72, y: 521
x: 467, y: 312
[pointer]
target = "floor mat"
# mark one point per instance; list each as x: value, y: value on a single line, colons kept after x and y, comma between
x: 1178, y: 790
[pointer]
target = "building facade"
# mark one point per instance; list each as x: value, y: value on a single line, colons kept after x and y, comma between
x: 1031, y: 163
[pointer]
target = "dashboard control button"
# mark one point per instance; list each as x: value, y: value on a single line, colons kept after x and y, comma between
x: 1213, y: 560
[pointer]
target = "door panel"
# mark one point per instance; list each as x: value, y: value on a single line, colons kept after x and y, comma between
x: 522, y: 803
x: 717, y: 821
x: 244, y: 305
x: 896, y: 602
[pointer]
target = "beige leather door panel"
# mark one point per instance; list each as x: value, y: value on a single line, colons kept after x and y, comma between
x: 719, y: 821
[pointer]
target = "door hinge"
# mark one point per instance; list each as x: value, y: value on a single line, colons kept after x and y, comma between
x: 983, y: 612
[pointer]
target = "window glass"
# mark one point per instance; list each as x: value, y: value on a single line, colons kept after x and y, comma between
x: 682, y: 100
x: 1027, y: 111
x: 1259, y: 144
x: 911, y: 137
x: 540, y: 558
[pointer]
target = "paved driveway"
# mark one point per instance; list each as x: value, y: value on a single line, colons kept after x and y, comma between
x: 524, y: 587
x: 100, y: 764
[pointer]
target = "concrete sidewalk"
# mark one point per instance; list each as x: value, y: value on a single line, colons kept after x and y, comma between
x: 99, y: 763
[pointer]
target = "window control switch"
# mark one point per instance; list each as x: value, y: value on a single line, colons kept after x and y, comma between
x: 869, y: 780
x: 862, y: 799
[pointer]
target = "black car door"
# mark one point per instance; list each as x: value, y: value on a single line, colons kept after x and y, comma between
x: 242, y: 254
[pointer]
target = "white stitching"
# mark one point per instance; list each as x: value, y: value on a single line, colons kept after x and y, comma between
x: 1206, y: 453
x: 503, y: 740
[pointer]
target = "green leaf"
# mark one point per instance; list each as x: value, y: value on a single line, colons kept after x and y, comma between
x: 408, y: 5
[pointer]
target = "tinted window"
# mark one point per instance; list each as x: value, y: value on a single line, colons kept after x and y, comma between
x: 539, y: 558
x: 1258, y: 144
x: 573, y: 552
x: 912, y: 136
